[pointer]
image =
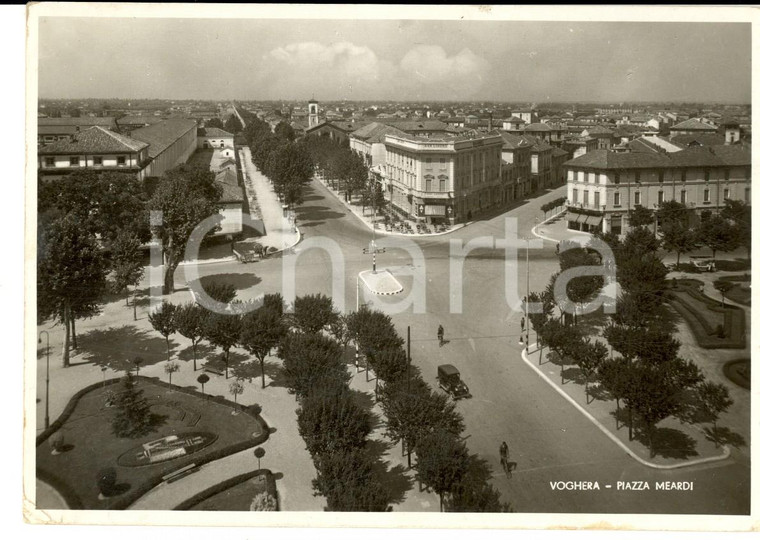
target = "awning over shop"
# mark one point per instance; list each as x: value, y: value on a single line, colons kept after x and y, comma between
x: 435, y: 210
x: 571, y: 216
x: 594, y: 221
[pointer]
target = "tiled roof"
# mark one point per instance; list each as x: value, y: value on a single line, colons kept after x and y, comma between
x: 79, y: 121
x: 231, y: 191
x: 693, y: 124
x: 214, y: 132
x: 410, y: 126
x: 516, y: 141
x: 539, y: 127
x: 162, y: 135
x: 700, y: 139
x: 138, y: 120
x: 718, y: 156
x: 642, y: 145
x: 514, y: 120
x: 375, y: 132
x: 96, y: 140
x: 558, y: 151
x: 600, y: 131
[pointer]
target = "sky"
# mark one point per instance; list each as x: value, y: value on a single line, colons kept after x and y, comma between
x: 255, y: 59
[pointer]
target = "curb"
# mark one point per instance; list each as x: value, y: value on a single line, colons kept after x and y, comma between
x: 400, y: 290
x: 610, y: 435
x: 544, y: 237
x: 388, y: 233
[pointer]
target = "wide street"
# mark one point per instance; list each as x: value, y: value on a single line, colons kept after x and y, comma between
x: 549, y: 440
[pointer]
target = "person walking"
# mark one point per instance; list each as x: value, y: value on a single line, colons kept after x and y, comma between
x: 440, y: 335
x: 522, y: 324
x: 504, y: 454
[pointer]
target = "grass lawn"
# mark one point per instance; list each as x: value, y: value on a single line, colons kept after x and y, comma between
x: 740, y: 293
x: 236, y: 497
x: 91, y: 446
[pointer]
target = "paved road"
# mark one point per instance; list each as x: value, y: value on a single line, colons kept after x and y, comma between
x: 549, y: 440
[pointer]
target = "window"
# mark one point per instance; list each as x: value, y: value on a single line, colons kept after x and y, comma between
x: 74, y: 161
x: 121, y: 160
x: 706, y: 197
x: 661, y: 176
x: 585, y: 196
x: 726, y: 175
x: 570, y: 175
x: 683, y: 175
x: 443, y: 185
x: 428, y: 184
x: 443, y: 160
x: 726, y: 194
x: 428, y: 160
x: 638, y: 177
x: 596, y: 199
x: 97, y: 160
x: 616, y: 199
x: 707, y: 175
x: 575, y: 196
x: 637, y: 197
x: 660, y: 197
x: 683, y: 196
x: 592, y: 177
x: 49, y: 162
x: 617, y: 178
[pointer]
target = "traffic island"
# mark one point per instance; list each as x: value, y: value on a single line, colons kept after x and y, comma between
x: 92, y: 468
x: 381, y: 282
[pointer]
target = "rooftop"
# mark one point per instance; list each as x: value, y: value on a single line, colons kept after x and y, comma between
x: 231, y: 191
x: 162, y: 135
x: 375, y: 132
x: 79, y: 121
x: 214, y: 132
x: 693, y: 124
x: 94, y: 140
x: 719, y: 156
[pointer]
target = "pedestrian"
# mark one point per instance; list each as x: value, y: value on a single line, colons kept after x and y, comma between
x: 440, y: 335
x: 522, y: 324
x: 504, y: 455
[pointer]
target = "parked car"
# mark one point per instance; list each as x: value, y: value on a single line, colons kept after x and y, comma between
x: 450, y: 382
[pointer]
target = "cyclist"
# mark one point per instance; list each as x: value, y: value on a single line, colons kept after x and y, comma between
x: 504, y: 453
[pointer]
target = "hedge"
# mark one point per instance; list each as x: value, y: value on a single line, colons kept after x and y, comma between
x: 703, y: 332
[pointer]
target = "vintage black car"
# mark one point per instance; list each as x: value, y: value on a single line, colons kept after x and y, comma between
x: 450, y: 382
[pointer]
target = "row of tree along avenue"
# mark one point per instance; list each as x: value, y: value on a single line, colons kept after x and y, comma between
x: 280, y: 158
x: 93, y: 226
x: 637, y: 359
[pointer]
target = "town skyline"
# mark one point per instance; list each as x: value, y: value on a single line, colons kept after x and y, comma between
x: 380, y: 60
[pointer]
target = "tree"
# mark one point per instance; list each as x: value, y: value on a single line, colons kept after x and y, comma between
x: 740, y: 214
x: 259, y: 452
x: 190, y: 321
x: 236, y: 388
x: 313, y: 313
x: 185, y: 196
x: 126, y: 262
x: 723, y: 287
x: 203, y: 379
x: 71, y: 275
x: 642, y: 278
x: 640, y: 216
x: 581, y: 289
x: 233, y: 125
x: 590, y: 356
x: 563, y: 340
x: 715, y: 400
x: 261, y: 331
x: 639, y: 241
x: 221, y: 292
x: 613, y: 374
x: 223, y: 330
x: 214, y: 123
x: 133, y: 417
x: 441, y: 462
x: 163, y: 322
x: 473, y: 493
x: 678, y: 238
x: 107, y: 482
x: 412, y: 410
x: 310, y: 360
x: 671, y: 212
x: 347, y: 481
x: 332, y: 422
x: 285, y: 131
x: 170, y: 368
x: 719, y: 234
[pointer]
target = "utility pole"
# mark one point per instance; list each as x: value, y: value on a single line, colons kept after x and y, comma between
x: 47, y: 377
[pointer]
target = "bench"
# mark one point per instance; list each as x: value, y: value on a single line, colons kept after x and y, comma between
x: 211, y: 369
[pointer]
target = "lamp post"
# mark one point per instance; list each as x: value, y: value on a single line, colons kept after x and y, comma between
x: 47, y: 377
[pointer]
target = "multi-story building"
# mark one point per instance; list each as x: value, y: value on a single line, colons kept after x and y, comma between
x: 447, y: 178
x: 516, y: 151
x: 692, y: 126
x: 212, y: 137
x: 94, y: 148
x: 611, y: 184
x: 369, y: 142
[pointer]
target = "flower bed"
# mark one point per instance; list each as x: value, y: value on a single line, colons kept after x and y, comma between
x: 234, y: 494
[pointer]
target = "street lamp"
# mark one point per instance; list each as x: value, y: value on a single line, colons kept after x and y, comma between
x: 47, y: 377
x: 103, y: 369
x: 137, y: 361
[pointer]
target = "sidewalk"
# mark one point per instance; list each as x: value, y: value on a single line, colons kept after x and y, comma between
x: 279, y: 232
x: 356, y: 209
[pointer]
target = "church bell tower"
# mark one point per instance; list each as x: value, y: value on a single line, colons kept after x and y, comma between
x: 313, y: 113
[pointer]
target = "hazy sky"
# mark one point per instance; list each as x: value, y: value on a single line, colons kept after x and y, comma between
x: 397, y: 60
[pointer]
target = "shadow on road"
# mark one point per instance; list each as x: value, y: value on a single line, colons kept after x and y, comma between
x: 117, y: 347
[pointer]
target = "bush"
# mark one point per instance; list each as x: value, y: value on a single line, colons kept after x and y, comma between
x: 107, y: 481
x: 57, y: 442
x: 263, y: 502
x: 271, y: 249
